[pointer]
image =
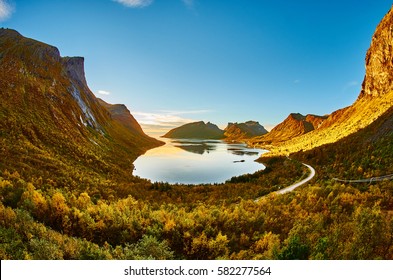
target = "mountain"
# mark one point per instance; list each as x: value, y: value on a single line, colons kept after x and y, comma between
x: 50, y: 120
x: 294, y: 125
x: 120, y: 113
x: 375, y: 98
x: 239, y: 131
x: 315, y: 120
x: 202, y: 130
x: 196, y: 130
x: 364, y: 154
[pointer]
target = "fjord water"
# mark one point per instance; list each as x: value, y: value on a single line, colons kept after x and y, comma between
x: 191, y: 161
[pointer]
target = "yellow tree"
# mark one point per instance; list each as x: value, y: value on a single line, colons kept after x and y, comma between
x: 34, y: 202
x: 59, y: 211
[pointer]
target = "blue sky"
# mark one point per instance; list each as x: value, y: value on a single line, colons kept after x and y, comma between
x: 176, y: 61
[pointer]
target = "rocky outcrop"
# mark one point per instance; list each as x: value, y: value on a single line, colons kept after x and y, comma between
x: 239, y: 131
x: 196, y: 130
x: 75, y: 67
x: 379, y: 60
x: 316, y: 120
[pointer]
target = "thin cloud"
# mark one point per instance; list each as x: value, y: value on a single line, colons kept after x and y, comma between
x: 157, y: 124
x: 160, y: 122
x: 189, y: 112
x: 166, y: 120
x: 154, y: 131
x: 135, y: 3
x: 103, y: 92
x: 144, y: 3
x: 6, y: 10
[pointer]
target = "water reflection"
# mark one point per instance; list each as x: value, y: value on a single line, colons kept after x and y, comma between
x: 196, y: 146
x: 191, y: 161
x: 242, y: 150
x: 197, y: 149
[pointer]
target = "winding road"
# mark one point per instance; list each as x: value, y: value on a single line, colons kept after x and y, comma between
x: 294, y: 186
x: 298, y: 184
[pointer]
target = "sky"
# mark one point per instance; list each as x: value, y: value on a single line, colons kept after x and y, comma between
x: 177, y: 61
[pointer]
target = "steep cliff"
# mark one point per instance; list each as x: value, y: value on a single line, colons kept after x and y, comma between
x: 47, y: 110
x: 379, y: 60
x: 75, y: 67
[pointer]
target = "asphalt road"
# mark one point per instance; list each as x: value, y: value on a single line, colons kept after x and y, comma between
x: 294, y: 186
x: 298, y: 184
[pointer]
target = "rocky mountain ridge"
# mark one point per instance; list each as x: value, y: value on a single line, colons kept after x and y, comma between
x: 239, y: 131
x: 202, y: 130
x: 294, y: 125
x: 46, y: 108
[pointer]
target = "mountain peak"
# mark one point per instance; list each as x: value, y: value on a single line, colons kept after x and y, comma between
x: 239, y: 131
x: 16, y: 44
x: 379, y: 57
x: 293, y: 126
x: 297, y: 116
x: 32, y: 56
x: 9, y: 33
x: 196, y: 130
x: 121, y: 114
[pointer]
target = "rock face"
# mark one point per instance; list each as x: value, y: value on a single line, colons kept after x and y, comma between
x: 379, y: 60
x: 196, y: 130
x: 315, y: 121
x: 75, y: 67
x: 239, y: 131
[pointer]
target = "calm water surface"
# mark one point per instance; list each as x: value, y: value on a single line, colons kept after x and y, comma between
x: 191, y: 161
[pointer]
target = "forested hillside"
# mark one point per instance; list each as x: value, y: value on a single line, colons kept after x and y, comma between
x: 113, y: 220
